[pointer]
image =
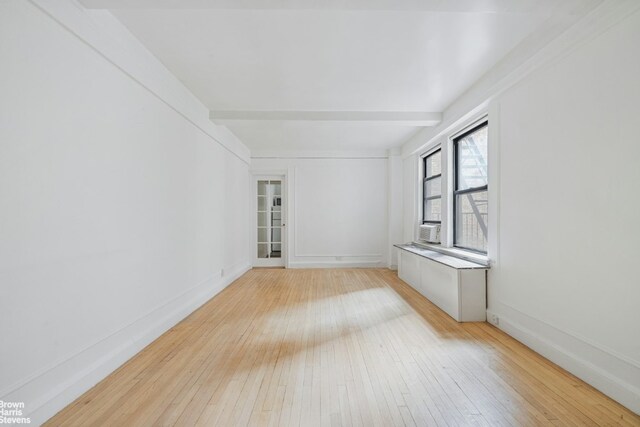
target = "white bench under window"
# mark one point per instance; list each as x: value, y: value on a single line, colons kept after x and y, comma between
x: 457, y: 286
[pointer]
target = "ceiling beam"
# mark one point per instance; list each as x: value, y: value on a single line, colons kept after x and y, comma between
x: 405, y: 118
x: 493, y: 6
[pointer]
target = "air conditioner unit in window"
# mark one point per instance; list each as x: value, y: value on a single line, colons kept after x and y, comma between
x: 430, y: 233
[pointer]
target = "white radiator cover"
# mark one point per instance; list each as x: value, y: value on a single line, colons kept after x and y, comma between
x: 461, y: 293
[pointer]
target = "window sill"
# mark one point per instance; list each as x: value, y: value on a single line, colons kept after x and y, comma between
x: 455, y: 252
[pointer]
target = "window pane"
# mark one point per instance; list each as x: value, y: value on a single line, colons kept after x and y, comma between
x: 277, y: 187
x: 262, y: 219
x: 433, y: 187
x: 262, y: 188
x: 471, y: 221
x: 433, y: 164
x: 471, y: 159
x: 262, y: 235
x: 432, y: 210
x: 276, y: 234
x: 263, y: 250
x: 262, y: 203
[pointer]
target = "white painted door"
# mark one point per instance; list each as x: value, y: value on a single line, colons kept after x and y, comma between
x: 269, y: 199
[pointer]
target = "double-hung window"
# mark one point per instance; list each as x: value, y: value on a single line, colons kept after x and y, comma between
x: 470, y: 195
x: 432, y: 189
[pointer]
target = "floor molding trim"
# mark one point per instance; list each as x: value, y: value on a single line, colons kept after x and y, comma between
x: 55, y: 388
x: 336, y: 264
x: 605, y: 371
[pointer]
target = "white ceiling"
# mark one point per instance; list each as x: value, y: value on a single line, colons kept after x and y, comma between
x: 272, y: 62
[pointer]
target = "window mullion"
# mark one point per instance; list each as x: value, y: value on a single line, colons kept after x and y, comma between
x: 471, y: 190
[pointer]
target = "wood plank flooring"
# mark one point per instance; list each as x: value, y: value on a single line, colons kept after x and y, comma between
x: 348, y: 347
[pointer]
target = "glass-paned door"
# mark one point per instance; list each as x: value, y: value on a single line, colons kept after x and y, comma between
x: 270, y: 217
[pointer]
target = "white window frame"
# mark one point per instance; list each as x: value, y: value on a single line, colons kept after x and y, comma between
x: 485, y: 188
x: 421, y: 174
x: 445, y: 144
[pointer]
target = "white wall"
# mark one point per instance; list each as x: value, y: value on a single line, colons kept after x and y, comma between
x: 337, y: 210
x: 564, y: 175
x: 119, y: 204
x: 395, y: 177
x: 568, y: 165
x: 410, y: 183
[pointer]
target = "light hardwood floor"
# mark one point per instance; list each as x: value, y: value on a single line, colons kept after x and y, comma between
x: 336, y: 348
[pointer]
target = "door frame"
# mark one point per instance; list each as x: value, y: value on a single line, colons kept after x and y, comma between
x: 284, y: 258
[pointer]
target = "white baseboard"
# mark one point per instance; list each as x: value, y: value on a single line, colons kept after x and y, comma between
x: 49, y: 391
x: 336, y: 264
x: 612, y: 374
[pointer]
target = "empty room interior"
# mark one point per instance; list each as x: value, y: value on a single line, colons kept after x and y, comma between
x: 320, y: 212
